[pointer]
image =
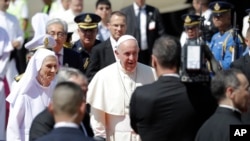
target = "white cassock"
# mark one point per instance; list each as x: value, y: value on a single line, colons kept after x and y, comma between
x: 27, y: 106
x: 5, y: 49
x: 12, y: 26
x: 109, y: 97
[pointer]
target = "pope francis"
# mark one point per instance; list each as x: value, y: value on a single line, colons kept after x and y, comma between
x: 110, y: 91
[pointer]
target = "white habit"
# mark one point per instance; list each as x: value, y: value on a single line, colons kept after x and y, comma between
x: 28, y: 98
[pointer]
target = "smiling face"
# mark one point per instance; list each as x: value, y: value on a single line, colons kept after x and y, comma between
x: 48, y: 70
x: 127, y: 53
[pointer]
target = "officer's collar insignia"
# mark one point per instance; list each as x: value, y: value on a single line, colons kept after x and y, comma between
x: 217, y: 7
x: 88, y: 19
x: 46, y: 42
x: 187, y: 19
x: 86, y: 63
x: 80, y: 49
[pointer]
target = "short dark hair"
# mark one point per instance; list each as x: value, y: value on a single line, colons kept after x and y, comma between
x: 104, y: 2
x: 67, y: 97
x: 167, y: 50
x: 222, y: 80
x: 118, y: 13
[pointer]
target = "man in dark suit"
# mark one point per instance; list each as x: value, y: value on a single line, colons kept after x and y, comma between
x: 57, y: 28
x: 44, y: 122
x: 103, y: 54
x: 231, y: 89
x: 243, y: 64
x: 145, y: 24
x: 87, y: 30
x: 68, y: 107
x: 162, y: 110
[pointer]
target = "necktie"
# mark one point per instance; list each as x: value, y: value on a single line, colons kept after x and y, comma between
x: 58, y: 57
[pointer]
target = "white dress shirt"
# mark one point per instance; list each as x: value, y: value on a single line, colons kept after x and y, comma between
x: 143, y: 25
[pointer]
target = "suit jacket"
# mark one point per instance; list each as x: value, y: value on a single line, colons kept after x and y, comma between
x: 153, y: 15
x: 243, y: 64
x: 44, y: 123
x: 217, y: 127
x: 65, y: 134
x: 72, y: 59
x: 102, y: 55
x: 163, y: 111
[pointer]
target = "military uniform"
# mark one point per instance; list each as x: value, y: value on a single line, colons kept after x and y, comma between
x: 223, y: 46
x: 86, y: 21
x: 78, y: 47
x: 191, y: 25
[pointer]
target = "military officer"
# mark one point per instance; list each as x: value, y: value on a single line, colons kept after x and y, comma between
x: 226, y: 45
x: 87, y: 30
x: 192, y: 28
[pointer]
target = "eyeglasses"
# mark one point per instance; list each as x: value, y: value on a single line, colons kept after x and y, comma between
x: 58, y: 34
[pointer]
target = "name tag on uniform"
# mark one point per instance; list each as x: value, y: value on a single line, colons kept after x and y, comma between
x: 151, y: 25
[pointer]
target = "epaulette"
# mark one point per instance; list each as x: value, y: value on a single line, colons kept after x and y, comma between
x: 18, y: 77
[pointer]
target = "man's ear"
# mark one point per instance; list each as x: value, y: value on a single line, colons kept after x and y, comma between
x: 83, y: 108
x: 230, y: 92
x: 108, y: 24
x: 153, y: 61
x: 51, y: 108
x: 78, y: 30
x: 116, y: 52
x: 246, y: 41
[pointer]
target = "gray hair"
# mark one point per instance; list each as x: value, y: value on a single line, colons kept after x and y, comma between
x: 167, y: 50
x: 57, y: 21
x: 65, y: 73
x: 222, y: 80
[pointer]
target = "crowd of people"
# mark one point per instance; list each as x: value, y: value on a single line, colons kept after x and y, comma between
x: 115, y: 75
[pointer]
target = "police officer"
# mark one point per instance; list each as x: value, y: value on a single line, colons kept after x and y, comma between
x: 225, y: 45
x: 87, y: 30
x: 192, y: 28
